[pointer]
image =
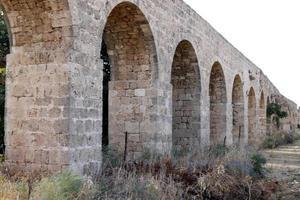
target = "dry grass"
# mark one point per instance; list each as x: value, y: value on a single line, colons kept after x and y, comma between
x: 12, y: 189
x: 297, y: 134
x: 215, y: 173
x: 280, y: 138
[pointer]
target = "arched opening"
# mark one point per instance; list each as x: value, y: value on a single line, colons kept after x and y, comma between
x: 262, y: 115
x: 237, y: 111
x: 269, y: 119
x: 4, y: 51
x: 218, y: 100
x: 185, y: 79
x: 129, y: 55
x: 251, y: 116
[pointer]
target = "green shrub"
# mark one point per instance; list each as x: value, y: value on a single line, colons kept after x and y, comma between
x: 2, y: 158
x: 297, y: 135
x: 269, y: 143
x: 258, y: 161
x: 65, y: 186
x: 111, y: 158
x: 289, y: 139
x: 226, y: 175
x: 218, y: 151
x: 273, y: 141
x: 125, y: 185
x: 274, y: 111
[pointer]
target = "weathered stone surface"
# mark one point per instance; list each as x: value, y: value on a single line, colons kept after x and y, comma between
x: 185, y: 80
x: 298, y: 118
x: 55, y: 73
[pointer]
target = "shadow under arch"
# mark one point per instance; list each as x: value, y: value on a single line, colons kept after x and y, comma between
x: 5, y: 49
x: 251, y: 116
x: 218, y: 101
x: 186, y: 94
x: 130, y: 63
x: 262, y: 115
x: 238, y: 111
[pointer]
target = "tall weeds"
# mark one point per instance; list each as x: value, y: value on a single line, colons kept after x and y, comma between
x: 214, y: 173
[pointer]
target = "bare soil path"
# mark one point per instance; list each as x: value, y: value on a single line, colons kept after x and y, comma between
x: 284, y: 165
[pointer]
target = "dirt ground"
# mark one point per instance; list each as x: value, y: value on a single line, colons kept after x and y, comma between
x: 284, y: 165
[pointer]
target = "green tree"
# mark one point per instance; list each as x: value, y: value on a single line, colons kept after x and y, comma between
x: 276, y: 111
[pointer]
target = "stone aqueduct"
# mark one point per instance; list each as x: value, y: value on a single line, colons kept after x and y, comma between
x: 175, y: 82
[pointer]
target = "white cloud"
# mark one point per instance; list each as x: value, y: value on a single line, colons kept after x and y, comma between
x: 266, y: 31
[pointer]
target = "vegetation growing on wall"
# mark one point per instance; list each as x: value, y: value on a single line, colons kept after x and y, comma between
x: 275, y: 112
x: 275, y: 139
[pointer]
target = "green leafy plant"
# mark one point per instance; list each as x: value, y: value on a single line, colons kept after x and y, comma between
x: 269, y: 143
x: 289, y: 138
x: 258, y: 161
x: 65, y: 186
x: 2, y: 158
x: 274, y: 111
x: 275, y: 140
x: 218, y: 150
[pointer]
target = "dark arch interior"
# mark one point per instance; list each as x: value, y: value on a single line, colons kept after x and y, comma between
x: 269, y: 120
x: 251, y: 116
x: 185, y: 79
x: 4, y: 50
x: 128, y: 52
x: 262, y: 114
x: 262, y: 101
x: 238, y: 111
x: 218, y: 100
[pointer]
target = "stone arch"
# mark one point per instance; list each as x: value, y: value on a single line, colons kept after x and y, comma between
x: 38, y: 22
x: 130, y: 44
x: 262, y: 115
x: 185, y: 79
x: 218, y: 101
x: 238, y: 110
x: 251, y: 116
x: 130, y: 47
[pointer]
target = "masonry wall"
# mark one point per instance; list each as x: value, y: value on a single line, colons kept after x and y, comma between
x: 298, y: 116
x: 54, y: 84
x: 288, y: 125
x: 238, y: 111
x: 185, y: 98
x: 37, y: 85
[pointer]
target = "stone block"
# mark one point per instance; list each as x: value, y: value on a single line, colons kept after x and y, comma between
x: 140, y: 92
x: 132, y: 127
